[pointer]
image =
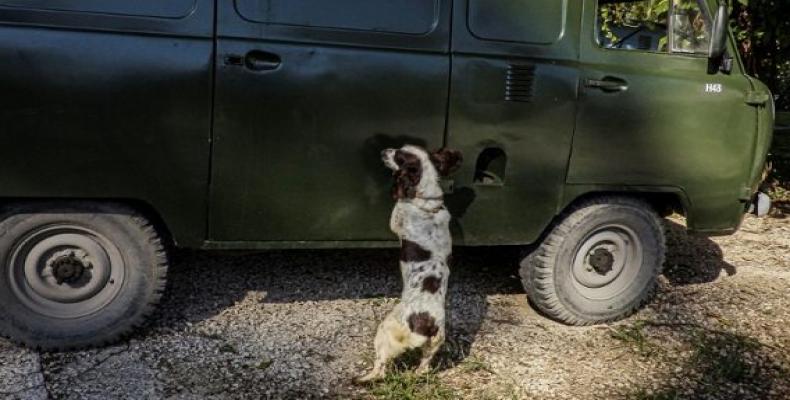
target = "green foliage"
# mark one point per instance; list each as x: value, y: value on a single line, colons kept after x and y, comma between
x: 647, y: 13
x: 635, y: 336
x: 690, y: 27
x: 762, y: 28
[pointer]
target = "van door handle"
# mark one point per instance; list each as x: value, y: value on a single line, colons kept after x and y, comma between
x: 258, y: 60
x: 607, y: 84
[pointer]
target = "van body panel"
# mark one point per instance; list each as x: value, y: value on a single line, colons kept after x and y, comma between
x: 171, y: 9
x: 505, y: 20
x: 676, y: 125
x: 297, y: 148
x: 262, y: 126
x: 190, y: 18
x: 520, y: 99
x: 108, y: 107
x: 381, y: 16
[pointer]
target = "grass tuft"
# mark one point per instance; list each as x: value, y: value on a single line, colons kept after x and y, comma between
x: 228, y: 348
x: 401, y: 385
x: 474, y: 364
x: 264, y: 364
x: 634, y: 336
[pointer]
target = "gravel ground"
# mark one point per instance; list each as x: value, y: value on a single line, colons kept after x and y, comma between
x: 300, y: 324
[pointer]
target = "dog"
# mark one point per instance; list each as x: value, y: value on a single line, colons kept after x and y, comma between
x: 422, y: 223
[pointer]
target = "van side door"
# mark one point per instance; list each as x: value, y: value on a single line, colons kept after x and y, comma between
x: 651, y: 113
x: 308, y: 93
x: 512, y: 104
x: 109, y: 100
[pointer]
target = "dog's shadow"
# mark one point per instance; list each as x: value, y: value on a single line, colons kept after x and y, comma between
x: 203, y: 284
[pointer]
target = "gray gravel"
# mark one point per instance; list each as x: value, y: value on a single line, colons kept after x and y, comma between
x: 300, y: 324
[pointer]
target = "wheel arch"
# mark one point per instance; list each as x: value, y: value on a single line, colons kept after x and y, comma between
x: 665, y: 200
x: 145, y: 209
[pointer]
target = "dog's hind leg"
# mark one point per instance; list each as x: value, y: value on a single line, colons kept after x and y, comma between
x: 391, y: 341
x: 429, y: 350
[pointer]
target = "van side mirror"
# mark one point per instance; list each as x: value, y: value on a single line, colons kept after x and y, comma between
x: 718, y: 41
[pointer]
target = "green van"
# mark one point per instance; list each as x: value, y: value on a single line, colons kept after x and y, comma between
x: 131, y: 126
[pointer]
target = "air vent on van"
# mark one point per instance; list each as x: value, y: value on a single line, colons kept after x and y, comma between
x: 519, y: 83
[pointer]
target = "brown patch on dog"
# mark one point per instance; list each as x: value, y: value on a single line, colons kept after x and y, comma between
x: 408, y: 175
x: 431, y: 284
x: 413, y: 252
x: 446, y: 161
x: 423, y: 324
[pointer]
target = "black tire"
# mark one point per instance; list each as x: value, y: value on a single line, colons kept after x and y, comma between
x: 77, y: 275
x: 598, y: 264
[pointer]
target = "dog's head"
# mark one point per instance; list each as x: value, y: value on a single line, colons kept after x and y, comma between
x: 417, y: 172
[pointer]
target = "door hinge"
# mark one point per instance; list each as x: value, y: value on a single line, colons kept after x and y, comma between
x: 757, y: 98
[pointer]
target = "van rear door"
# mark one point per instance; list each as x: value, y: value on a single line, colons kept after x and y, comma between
x: 308, y: 93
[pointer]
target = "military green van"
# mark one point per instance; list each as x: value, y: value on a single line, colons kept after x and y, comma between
x: 131, y: 126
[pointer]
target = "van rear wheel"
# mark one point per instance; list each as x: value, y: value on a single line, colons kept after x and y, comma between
x: 77, y: 275
x: 600, y: 263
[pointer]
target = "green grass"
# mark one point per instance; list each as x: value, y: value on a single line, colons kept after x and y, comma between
x: 401, y: 383
x: 406, y: 385
x: 635, y: 337
x: 264, y: 364
x: 474, y: 364
x: 228, y: 348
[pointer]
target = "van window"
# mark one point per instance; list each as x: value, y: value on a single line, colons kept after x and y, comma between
x: 691, y: 27
x: 138, y: 8
x: 677, y: 26
x: 525, y: 21
x: 401, y: 16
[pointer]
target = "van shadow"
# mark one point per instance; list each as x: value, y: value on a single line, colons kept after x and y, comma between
x: 692, y: 259
x: 202, y: 285
x: 721, y: 362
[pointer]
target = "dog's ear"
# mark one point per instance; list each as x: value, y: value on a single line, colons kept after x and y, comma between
x: 446, y: 161
x: 407, y: 177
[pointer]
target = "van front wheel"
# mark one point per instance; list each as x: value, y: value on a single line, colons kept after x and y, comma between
x: 76, y: 275
x: 600, y: 263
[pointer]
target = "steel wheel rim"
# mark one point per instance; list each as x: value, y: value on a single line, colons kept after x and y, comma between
x: 65, y: 271
x: 606, y: 262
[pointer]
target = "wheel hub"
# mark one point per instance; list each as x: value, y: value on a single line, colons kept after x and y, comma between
x: 602, y: 261
x: 69, y: 266
x: 65, y: 271
x: 606, y: 261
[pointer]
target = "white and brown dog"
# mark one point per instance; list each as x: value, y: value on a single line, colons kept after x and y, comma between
x: 423, y: 225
